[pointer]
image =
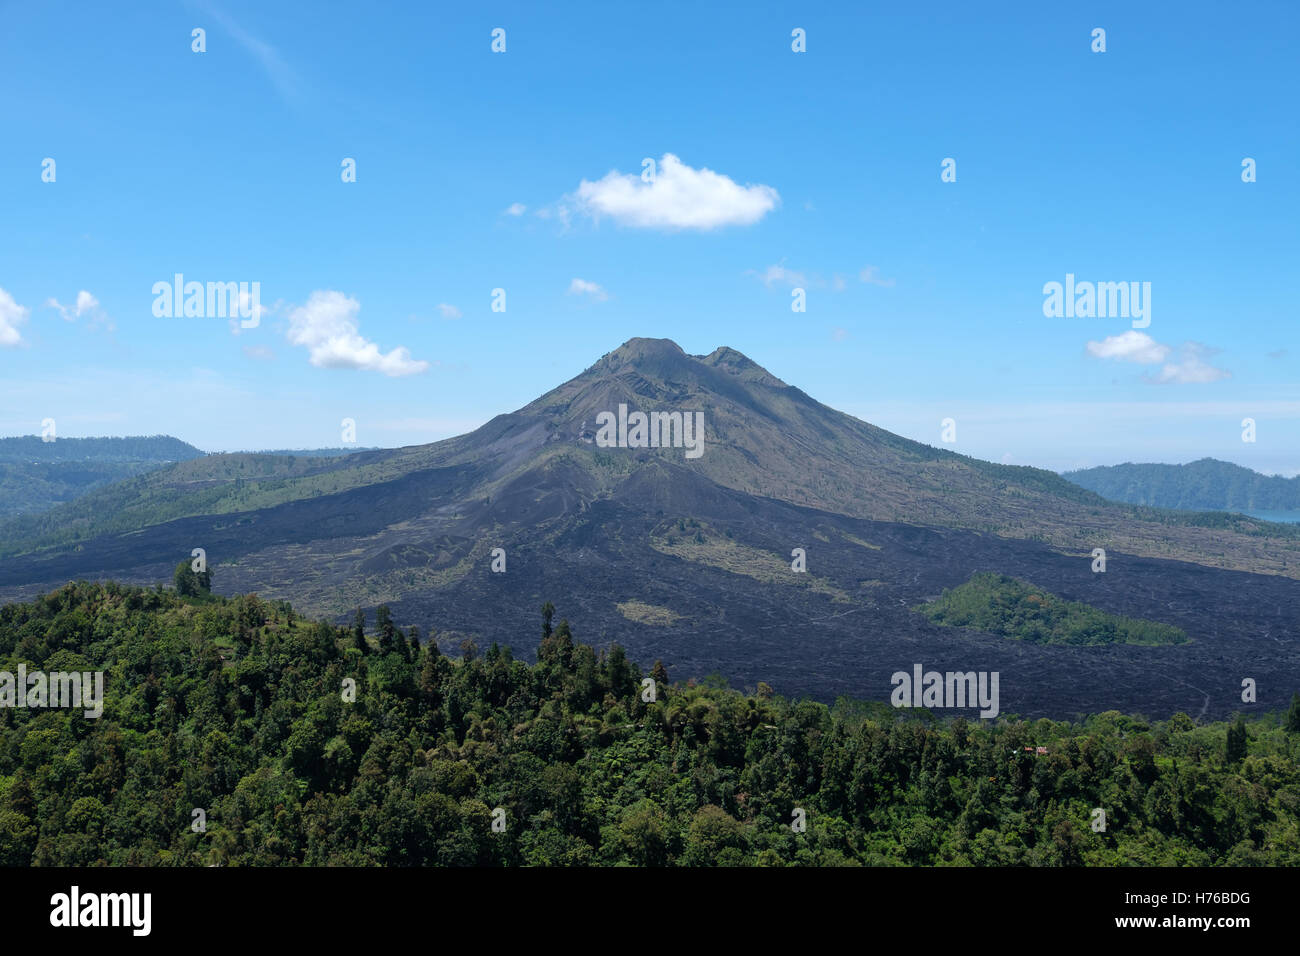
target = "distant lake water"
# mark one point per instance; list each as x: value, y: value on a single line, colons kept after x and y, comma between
x: 1292, y: 517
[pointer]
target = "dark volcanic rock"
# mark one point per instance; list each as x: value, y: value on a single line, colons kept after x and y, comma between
x: 706, y: 544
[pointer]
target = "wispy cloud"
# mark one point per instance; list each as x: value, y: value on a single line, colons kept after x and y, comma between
x: 1191, y: 368
x: 516, y: 209
x: 590, y: 289
x: 86, y: 306
x: 70, y: 313
x: 448, y: 311
x: 281, y: 75
x: 871, y: 276
x: 254, y: 310
x: 779, y: 275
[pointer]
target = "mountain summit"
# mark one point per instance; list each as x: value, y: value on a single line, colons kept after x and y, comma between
x: 680, y: 557
x: 762, y: 437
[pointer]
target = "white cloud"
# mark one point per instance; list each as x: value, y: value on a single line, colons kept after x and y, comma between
x: 12, y: 315
x: 1130, y: 346
x: 680, y: 197
x: 259, y: 352
x: 1189, y: 367
x: 871, y: 274
x: 448, y: 311
x: 583, y: 287
x: 839, y: 335
x: 327, y: 327
x: 516, y: 209
x: 86, y: 305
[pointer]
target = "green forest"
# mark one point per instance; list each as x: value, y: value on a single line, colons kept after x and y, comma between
x: 36, y: 475
x: 1203, y: 484
x: 1016, y: 609
x: 242, y: 709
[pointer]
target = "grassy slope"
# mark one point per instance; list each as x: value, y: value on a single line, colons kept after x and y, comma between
x: 1016, y: 609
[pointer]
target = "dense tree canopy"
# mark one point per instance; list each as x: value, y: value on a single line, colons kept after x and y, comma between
x: 240, y: 708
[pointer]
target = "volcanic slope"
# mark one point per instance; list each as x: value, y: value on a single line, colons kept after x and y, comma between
x: 689, y: 559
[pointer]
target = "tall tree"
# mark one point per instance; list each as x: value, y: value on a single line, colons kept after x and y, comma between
x: 186, y: 580
x: 359, y: 631
x: 556, y: 646
x: 191, y: 583
x: 1237, y: 740
x: 387, y: 632
x: 618, y: 672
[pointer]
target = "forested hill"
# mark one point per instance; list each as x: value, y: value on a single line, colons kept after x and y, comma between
x: 1207, y: 484
x: 241, y: 709
x: 37, y: 475
x: 156, y: 448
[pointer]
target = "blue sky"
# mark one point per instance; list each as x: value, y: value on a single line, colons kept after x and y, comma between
x: 924, y: 298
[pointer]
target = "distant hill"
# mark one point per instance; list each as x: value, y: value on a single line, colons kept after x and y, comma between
x: 310, y: 452
x: 37, y: 475
x: 31, y: 448
x: 1204, y: 485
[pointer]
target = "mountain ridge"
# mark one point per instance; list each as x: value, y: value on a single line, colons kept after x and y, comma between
x: 763, y: 437
x: 701, y: 548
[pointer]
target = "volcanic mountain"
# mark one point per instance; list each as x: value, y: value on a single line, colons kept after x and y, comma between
x: 689, y: 559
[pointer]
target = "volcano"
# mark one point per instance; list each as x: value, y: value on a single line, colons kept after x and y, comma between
x: 691, y: 558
